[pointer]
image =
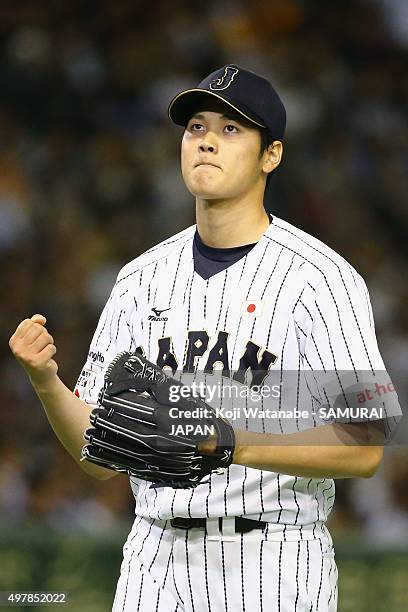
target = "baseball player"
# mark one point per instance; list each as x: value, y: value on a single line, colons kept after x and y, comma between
x: 239, y: 291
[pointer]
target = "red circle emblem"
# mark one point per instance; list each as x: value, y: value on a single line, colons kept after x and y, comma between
x: 251, y: 308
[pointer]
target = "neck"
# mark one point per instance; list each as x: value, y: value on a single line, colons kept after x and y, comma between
x: 227, y: 223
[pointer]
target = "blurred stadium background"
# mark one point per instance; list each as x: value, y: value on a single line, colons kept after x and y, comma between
x: 89, y: 178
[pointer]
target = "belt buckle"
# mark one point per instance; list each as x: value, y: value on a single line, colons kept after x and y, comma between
x: 181, y: 523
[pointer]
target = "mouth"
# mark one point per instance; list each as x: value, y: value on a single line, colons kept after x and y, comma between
x: 206, y: 164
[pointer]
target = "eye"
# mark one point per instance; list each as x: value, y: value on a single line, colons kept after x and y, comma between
x: 230, y: 128
x: 196, y: 127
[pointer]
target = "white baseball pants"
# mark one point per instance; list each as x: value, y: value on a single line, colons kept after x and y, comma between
x: 168, y: 570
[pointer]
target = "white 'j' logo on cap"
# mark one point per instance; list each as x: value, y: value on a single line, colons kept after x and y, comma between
x: 226, y: 79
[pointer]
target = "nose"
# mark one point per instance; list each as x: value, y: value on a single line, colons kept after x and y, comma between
x: 207, y: 145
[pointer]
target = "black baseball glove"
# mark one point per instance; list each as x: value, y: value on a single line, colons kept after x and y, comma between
x: 145, y: 428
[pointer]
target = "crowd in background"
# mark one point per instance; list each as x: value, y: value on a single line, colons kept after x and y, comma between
x: 89, y: 178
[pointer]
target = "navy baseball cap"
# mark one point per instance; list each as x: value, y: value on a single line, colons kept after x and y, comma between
x: 249, y: 94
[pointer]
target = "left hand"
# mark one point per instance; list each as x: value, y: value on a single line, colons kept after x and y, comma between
x: 142, y: 427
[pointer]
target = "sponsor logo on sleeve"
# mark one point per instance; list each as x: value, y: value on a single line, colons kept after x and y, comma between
x: 85, y: 378
x: 96, y: 357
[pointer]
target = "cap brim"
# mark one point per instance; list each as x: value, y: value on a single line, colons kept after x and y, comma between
x: 185, y: 103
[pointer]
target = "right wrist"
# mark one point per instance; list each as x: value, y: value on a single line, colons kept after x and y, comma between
x: 45, y: 386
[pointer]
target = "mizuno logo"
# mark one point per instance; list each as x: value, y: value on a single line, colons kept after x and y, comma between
x: 158, y: 312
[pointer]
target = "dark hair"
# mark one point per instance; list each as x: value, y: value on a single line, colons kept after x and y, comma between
x: 265, y: 139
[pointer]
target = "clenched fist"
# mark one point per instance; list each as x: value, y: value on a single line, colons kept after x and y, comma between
x: 34, y: 348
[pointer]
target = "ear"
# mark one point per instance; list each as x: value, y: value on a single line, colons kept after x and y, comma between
x: 272, y: 156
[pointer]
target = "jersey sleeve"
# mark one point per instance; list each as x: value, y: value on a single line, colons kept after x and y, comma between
x: 342, y: 334
x: 113, y: 334
x: 342, y: 353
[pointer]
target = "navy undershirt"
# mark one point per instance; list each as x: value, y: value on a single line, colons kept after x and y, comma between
x: 209, y: 261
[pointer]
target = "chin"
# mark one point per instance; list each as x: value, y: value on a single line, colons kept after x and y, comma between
x: 206, y: 192
x: 207, y: 195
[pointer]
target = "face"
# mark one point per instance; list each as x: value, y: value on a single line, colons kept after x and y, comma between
x: 220, y: 155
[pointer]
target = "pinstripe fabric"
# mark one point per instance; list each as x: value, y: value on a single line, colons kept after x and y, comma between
x: 315, y: 316
x: 304, y: 286
x: 219, y: 574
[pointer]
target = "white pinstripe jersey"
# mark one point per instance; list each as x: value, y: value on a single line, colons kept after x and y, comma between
x: 315, y: 314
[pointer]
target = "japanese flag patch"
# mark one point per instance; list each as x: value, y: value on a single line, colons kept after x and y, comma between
x: 252, y: 308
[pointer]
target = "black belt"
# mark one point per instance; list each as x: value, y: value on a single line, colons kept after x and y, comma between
x: 242, y: 525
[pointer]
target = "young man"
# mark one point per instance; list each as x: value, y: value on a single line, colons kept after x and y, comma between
x: 239, y: 290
